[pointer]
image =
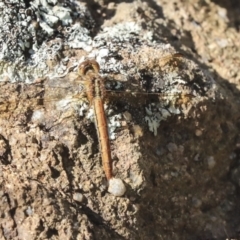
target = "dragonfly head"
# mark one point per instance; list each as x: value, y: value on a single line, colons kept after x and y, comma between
x: 88, y: 65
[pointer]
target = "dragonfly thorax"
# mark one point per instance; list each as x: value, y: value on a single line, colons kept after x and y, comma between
x: 94, y: 83
x: 94, y: 86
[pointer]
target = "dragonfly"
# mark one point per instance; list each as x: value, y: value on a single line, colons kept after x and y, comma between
x: 88, y: 84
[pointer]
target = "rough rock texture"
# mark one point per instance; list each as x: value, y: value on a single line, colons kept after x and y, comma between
x: 173, y: 120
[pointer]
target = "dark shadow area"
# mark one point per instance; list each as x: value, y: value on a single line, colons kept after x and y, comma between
x: 182, y: 40
x: 27, y: 2
x: 99, y: 14
x: 233, y: 11
x: 222, y: 114
x: 102, y: 13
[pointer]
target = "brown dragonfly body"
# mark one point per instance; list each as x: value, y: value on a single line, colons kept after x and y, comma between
x: 95, y: 91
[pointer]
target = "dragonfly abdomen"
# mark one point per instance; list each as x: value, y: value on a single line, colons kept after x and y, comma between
x: 101, y: 126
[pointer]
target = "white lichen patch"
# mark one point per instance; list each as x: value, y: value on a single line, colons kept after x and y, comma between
x: 79, y: 37
x: 91, y: 114
x: 122, y: 32
x: 155, y: 113
x: 79, y: 106
x: 113, y: 121
x: 64, y: 104
x: 83, y: 108
x: 164, y: 113
x: 113, y: 124
x: 111, y: 39
x: 116, y: 187
x: 153, y: 123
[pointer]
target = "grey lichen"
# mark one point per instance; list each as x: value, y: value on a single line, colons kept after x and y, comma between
x: 25, y: 36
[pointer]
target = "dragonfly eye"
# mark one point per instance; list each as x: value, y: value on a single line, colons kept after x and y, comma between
x: 88, y: 65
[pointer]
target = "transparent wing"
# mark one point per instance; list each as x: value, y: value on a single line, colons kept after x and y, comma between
x: 162, y: 89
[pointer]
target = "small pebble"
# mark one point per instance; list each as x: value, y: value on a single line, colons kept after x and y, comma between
x: 116, y: 187
x: 196, y: 157
x: 196, y: 202
x: 78, y: 197
x: 198, y: 132
x: 172, y: 147
x: 211, y: 162
x: 127, y: 116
